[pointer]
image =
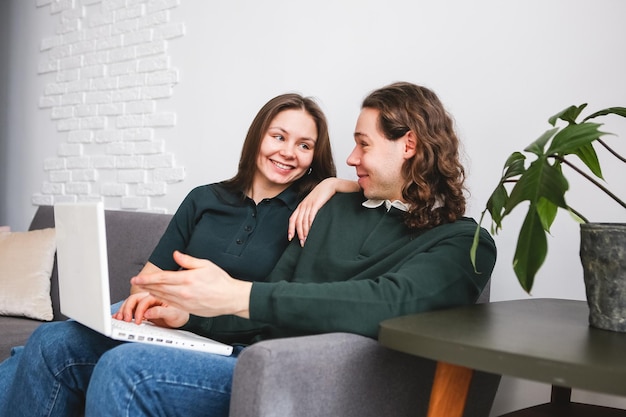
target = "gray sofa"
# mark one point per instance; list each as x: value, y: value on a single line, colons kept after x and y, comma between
x: 335, y: 374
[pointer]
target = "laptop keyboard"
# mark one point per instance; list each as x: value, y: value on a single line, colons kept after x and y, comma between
x: 152, y: 334
x: 149, y: 332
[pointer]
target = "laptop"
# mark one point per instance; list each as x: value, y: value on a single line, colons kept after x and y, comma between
x: 84, y: 282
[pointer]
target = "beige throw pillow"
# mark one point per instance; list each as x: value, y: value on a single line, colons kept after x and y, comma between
x: 26, y: 261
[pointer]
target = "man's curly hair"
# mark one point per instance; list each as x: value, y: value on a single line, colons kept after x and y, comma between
x: 434, y: 186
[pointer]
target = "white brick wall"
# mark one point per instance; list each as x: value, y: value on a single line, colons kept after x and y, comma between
x: 107, y: 68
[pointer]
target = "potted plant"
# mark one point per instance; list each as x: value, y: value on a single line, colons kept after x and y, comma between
x: 541, y: 182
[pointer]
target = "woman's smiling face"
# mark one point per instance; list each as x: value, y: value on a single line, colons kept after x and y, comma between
x: 286, y: 150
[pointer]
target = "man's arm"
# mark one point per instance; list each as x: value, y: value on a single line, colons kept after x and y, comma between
x: 441, y: 277
x: 201, y: 288
x: 149, y: 268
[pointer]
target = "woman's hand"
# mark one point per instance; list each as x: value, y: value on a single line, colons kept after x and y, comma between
x: 302, y: 218
x: 142, y: 306
x: 126, y: 311
x: 201, y: 288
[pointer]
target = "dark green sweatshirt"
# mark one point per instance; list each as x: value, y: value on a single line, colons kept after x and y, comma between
x: 359, y: 266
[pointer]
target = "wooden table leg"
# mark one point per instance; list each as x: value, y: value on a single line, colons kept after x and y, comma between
x: 449, y: 392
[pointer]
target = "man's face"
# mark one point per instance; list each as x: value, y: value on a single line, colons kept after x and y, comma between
x: 378, y: 161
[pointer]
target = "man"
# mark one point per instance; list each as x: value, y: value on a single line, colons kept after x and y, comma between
x: 399, y: 247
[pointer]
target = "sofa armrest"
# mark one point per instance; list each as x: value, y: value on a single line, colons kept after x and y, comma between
x: 339, y: 374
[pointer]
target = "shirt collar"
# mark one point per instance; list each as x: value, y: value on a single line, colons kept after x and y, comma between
x: 288, y: 196
x: 388, y: 204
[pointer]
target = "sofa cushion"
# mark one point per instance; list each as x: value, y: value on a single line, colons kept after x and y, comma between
x: 26, y: 261
x: 15, y: 332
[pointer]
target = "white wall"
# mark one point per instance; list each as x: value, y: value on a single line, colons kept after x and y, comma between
x: 4, y: 74
x: 502, y: 68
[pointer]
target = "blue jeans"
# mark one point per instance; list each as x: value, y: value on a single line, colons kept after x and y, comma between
x: 66, y: 369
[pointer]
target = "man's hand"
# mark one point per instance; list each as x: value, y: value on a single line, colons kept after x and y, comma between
x: 201, y: 288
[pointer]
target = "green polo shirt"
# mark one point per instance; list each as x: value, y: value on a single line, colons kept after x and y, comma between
x: 228, y: 228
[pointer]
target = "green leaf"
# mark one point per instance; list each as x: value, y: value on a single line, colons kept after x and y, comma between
x: 540, y: 180
x: 513, y: 158
x: 537, y: 147
x: 496, y: 204
x: 514, y: 166
x: 547, y: 213
x: 475, y: 241
x: 619, y: 111
x: 531, y: 250
x: 588, y: 155
x: 569, y: 115
x: 572, y: 137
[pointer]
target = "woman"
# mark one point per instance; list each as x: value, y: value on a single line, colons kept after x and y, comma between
x: 236, y: 223
x: 287, y: 143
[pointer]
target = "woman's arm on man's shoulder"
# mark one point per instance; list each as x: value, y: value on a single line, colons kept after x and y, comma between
x: 302, y: 218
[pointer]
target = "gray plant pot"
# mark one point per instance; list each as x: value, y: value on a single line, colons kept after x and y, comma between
x: 603, y: 256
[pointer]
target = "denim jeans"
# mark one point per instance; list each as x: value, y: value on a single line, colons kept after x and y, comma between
x: 66, y: 369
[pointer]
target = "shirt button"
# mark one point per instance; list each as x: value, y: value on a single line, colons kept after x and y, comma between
x: 239, y: 241
x: 247, y: 228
